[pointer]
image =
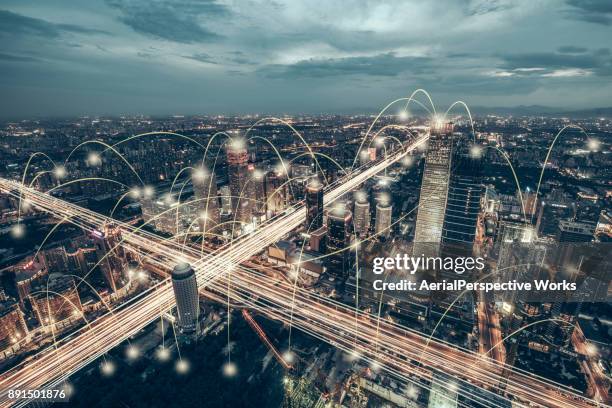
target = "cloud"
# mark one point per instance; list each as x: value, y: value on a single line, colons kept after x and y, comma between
x: 566, y: 73
x: 202, y: 57
x: 385, y: 65
x: 16, y: 25
x: 572, y: 64
x: 177, y: 21
x: 592, y: 11
x: 571, y: 49
x: 17, y: 58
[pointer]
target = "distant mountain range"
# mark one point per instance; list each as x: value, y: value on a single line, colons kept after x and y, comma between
x: 521, y: 110
x: 535, y: 110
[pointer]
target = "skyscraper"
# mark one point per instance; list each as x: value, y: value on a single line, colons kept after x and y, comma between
x: 463, y: 202
x: 205, y: 192
x: 185, y: 288
x: 383, y: 218
x: 362, y: 214
x: 434, y: 191
x: 314, y: 205
x: 111, y: 254
x: 338, y: 239
x: 257, y: 191
x: 237, y: 161
x: 276, y: 191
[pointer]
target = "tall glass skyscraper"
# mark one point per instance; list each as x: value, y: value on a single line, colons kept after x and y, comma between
x: 237, y: 162
x: 339, y: 221
x: 434, y: 191
x: 463, y: 202
x: 205, y: 192
x: 314, y: 205
x: 362, y: 215
x: 185, y: 288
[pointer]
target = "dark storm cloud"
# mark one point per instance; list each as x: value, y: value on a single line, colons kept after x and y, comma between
x: 592, y: 11
x: 386, y: 65
x: 571, y: 49
x: 178, y: 21
x: 16, y: 24
x: 17, y: 58
x: 597, y: 61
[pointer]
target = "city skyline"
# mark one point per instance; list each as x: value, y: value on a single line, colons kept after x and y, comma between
x: 194, y: 57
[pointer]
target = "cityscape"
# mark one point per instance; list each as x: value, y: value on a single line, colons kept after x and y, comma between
x: 135, y: 248
x: 206, y: 203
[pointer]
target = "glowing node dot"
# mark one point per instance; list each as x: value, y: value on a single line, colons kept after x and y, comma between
x: 59, y: 172
x: 107, y: 368
x: 230, y: 369
x: 135, y: 192
x: 18, y: 231
x: 407, y: 161
x: 593, y: 145
x: 182, y: 366
x: 132, y: 352
x: 475, y: 152
x: 403, y: 115
x: 289, y: 356
x: 148, y: 191
x: 163, y: 354
x: 94, y: 159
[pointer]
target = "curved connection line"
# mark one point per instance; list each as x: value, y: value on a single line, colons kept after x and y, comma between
x: 25, y: 172
x: 108, y: 147
x: 469, y: 115
x: 86, y: 179
x: 548, y: 156
x: 298, y: 134
x: 527, y: 326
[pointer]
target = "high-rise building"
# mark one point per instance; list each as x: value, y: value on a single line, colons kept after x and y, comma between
x: 206, y: 200
x: 570, y: 231
x: 276, y: 191
x: 314, y: 205
x: 383, y: 218
x: 362, y: 215
x: 111, y: 255
x: 257, y: 191
x: 237, y: 162
x: 185, y: 286
x: 463, y: 202
x: 339, y: 221
x: 434, y: 191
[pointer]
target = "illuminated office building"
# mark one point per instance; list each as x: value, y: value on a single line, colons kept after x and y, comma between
x: 383, y: 218
x: 362, y: 215
x: 257, y: 191
x: 339, y: 221
x: 463, y: 202
x: 112, y: 256
x: 314, y: 205
x: 185, y: 286
x: 434, y: 191
x: 276, y: 191
x: 237, y: 162
x: 205, y: 193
